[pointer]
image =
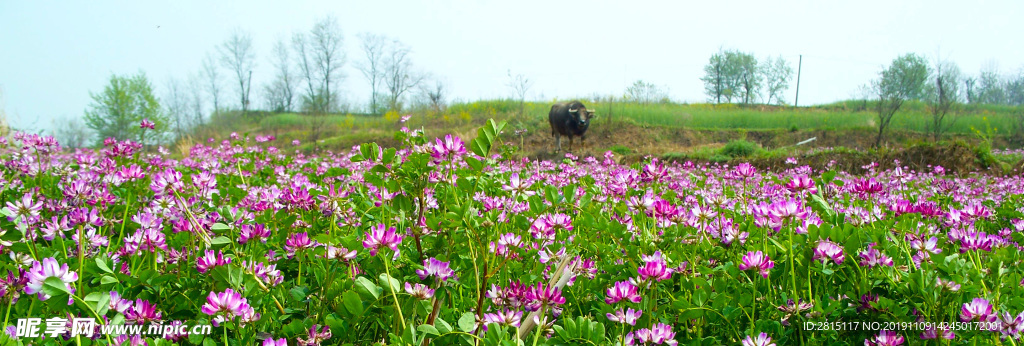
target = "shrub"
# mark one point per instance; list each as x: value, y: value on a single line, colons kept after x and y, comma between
x: 740, y: 148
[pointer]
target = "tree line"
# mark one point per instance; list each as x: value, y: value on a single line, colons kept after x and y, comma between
x: 307, y: 74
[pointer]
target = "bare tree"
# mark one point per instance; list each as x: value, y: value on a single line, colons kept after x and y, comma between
x: 305, y: 63
x: 212, y: 77
x: 942, y: 95
x: 435, y: 93
x: 319, y: 56
x: 71, y: 133
x: 644, y: 93
x: 176, y: 107
x: 237, y: 55
x: 398, y: 74
x: 328, y: 57
x: 373, y: 47
x: 776, y: 73
x: 195, y: 98
x: 280, y: 92
x: 520, y: 85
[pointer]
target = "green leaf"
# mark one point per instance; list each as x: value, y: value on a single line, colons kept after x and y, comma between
x: 693, y: 314
x: 365, y: 286
x: 396, y: 286
x: 479, y: 147
x: 99, y: 302
x: 219, y: 227
x: 55, y: 287
x: 101, y: 262
x: 7, y: 212
x: 389, y: 155
x: 467, y: 322
x: 428, y: 329
x: 352, y: 303
x: 443, y: 326
x: 221, y: 240
x: 107, y: 279
x: 299, y: 293
x: 370, y: 151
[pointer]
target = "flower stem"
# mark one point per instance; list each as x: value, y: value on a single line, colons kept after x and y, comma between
x: 81, y: 262
x: 7, y: 316
x: 226, y: 336
x: 792, y: 268
x: 393, y: 295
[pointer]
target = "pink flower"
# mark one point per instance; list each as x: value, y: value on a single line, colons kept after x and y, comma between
x: 745, y: 170
x: 298, y: 241
x: 761, y: 340
x: 629, y: 316
x: 26, y: 208
x: 757, y: 260
x: 448, y: 149
x: 872, y: 257
x: 315, y: 337
x: 225, y: 306
x: 504, y: 317
x: 118, y: 304
x: 827, y: 250
x: 885, y: 338
x: 978, y: 309
x: 340, y: 253
x: 435, y: 268
x: 801, y: 182
x: 146, y: 124
x: 545, y: 226
x: 622, y: 290
x: 257, y: 231
x: 210, y: 260
x: 272, y: 342
x: 143, y: 312
x: 654, y: 269
x: 420, y: 291
x: 658, y: 334
x: 540, y: 296
x: 378, y: 237
x: 49, y: 268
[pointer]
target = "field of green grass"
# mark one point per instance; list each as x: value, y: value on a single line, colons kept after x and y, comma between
x: 341, y: 131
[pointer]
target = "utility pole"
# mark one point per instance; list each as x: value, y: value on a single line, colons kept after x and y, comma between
x: 799, y: 66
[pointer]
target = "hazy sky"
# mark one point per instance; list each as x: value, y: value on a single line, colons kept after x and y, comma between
x: 53, y: 53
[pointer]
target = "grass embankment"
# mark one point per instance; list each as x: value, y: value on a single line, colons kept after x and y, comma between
x: 690, y: 130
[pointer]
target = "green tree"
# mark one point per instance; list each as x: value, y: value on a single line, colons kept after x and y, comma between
x: 903, y: 80
x: 117, y: 111
x: 731, y: 74
x: 748, y: 80
x: 715, y: 75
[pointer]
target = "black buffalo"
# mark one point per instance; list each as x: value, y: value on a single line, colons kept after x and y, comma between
x: 569, y: 119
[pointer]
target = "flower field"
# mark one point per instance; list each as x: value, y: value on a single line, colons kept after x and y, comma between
x: 448, y: 242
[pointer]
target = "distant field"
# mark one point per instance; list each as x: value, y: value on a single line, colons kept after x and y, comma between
x: 343, y: 131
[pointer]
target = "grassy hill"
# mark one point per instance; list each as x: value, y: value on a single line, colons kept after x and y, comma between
x: 626, y: 128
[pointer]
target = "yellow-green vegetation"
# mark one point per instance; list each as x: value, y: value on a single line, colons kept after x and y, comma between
x: 342, y: 131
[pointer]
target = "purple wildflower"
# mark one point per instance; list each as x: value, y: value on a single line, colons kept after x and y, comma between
x: 757, y: 260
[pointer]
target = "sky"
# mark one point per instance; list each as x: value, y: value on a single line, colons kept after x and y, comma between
x: 54, y: 53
